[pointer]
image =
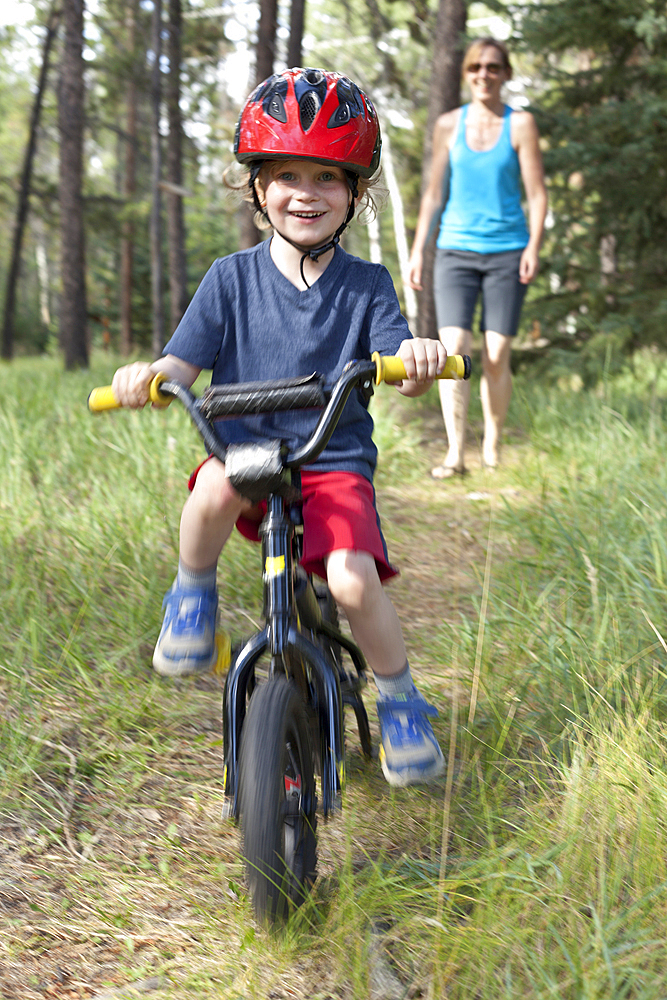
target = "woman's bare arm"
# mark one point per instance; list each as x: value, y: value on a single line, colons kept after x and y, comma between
x: 432, y: 198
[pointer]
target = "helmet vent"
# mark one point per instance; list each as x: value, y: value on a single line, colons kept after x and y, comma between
x: 276, y: 108
x: 341, y: 116
x: 309, y: 105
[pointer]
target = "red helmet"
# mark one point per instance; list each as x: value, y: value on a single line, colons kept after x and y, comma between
x: 310, y: 114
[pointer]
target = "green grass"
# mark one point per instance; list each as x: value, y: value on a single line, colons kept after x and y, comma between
x: 534, y: 605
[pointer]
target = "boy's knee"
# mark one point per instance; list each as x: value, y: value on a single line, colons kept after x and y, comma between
x: 214, y: 491
x: 352, y: 577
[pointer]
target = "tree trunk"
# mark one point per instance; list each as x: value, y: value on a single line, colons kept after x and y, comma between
x: 24, y: 191
x: 264, y: 57
x: 266, y: 39
x: 399, y: 230
x: 374, y: 244
x: 73, y: 333
x: 178, y: 283
x: 296, y: 24
x: 129, y: 190
x: 157, y: 339
x: 445, y: 94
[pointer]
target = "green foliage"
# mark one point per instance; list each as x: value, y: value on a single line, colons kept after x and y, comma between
x: 536, y: 869
x: 112, y: 61
x: 602, y: 108
x: 600, y: 101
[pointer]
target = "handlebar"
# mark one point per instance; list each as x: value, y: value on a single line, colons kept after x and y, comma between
x: 279, y: 394
x: 387, y: 369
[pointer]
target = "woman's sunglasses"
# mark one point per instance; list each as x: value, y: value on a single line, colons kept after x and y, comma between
x: 493, y: 69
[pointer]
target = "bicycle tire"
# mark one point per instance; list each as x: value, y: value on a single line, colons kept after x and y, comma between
x: 329, y: 612
x: 277, y: 800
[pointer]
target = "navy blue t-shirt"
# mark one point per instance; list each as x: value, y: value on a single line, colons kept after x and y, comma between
x: 248, y: 323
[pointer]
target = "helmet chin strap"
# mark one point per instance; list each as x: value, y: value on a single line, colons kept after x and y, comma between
x: 315, y: 252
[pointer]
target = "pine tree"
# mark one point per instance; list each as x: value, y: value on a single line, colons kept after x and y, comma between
x: 603, y: 113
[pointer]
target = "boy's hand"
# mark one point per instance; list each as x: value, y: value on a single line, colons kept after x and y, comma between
x: 424, y: 360
x: 130, y: 384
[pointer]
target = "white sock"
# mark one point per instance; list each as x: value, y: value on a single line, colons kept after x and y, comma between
x: 396, y: 684
x: 197, y: 580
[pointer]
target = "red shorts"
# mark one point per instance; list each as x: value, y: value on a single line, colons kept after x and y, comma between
x: 338, y: 513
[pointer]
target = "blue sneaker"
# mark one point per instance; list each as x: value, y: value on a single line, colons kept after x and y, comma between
x: 409, y: 751
x: 186, y: 644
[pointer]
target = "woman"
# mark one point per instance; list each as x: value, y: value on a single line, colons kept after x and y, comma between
x: 484, y: 245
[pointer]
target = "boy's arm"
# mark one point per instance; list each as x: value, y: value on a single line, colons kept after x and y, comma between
x: 130, y: 383
x: 424, y: 359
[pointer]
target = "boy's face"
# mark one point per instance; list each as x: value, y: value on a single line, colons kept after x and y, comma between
x: 305, y: 200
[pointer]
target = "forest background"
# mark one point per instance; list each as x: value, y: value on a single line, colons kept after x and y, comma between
x: 533, y: 599
x: 112, y: 204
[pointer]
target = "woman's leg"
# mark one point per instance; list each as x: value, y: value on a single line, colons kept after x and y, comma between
x: 495, y: 392
x: 502, y: 298
x: 454, y: 400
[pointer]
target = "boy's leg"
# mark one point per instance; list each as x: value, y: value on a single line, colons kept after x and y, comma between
x: 410, y: 751
x: 186, y: 644
x: 355, y: 585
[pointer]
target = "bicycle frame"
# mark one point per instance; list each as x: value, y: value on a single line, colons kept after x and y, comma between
x: 293, y: 621
x: 283, y: 638
x: 253, y: 470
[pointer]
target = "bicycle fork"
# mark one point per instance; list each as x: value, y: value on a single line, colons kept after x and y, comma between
x: 291, y: 652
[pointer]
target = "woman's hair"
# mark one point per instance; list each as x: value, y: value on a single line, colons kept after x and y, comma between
x: 474, y: 51
x: 236, y: 177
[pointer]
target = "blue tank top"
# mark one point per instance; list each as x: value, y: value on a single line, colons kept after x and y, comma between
x: 483, y: 212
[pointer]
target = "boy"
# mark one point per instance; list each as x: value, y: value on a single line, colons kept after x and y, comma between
x: 292, y: 305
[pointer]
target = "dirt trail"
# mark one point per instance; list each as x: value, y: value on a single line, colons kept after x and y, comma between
x: 71, y: 923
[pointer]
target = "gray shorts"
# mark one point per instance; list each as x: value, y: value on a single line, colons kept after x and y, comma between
x: 460, y: 276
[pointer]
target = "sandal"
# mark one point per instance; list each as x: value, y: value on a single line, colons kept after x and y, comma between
x: 447, y: 472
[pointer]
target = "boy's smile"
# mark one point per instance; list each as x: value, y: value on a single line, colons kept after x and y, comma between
x: 306, y: 201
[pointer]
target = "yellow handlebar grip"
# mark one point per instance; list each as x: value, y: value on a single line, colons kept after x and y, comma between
x: 388, y: 369
x: 158, y: 398
x: 456, y: 367
x: 392, y: 369
x: 102, y: 399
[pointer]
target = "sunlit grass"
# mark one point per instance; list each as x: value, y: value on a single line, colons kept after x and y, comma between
x: 535, y: 615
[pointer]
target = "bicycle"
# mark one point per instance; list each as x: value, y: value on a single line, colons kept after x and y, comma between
x: 284, y: 725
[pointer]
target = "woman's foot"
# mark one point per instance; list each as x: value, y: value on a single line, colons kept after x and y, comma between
x: 447, y: 471
x: 490, y: 457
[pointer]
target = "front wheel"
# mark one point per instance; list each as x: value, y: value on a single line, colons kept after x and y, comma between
x: 277, y: 799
